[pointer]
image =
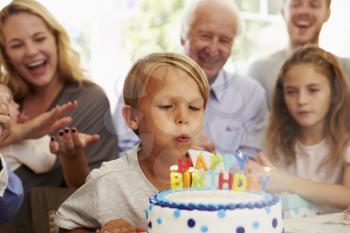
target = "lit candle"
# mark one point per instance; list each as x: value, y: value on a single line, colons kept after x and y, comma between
x: 187, y: 177
x: 240, y: 182
x: 176, y: 181
x: 241, y: 159
x: 265, y: 178
x: 267, y: 169
x: 174, y: 168
x: 198, y: 180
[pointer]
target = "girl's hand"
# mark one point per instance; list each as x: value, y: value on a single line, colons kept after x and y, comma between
x: 347, y: 213
x: 263, y: 160
x: 258, y: 165
x: 70, y: 142
x: 44, y: 124
x: 278, y: 182
x: 120, y: 226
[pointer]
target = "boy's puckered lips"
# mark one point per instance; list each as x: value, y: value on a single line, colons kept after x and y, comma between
x: 183, y: 138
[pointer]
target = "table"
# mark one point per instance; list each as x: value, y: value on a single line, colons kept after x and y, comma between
x: 328, y: 223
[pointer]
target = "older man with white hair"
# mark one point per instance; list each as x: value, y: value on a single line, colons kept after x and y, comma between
x: 236, y: 114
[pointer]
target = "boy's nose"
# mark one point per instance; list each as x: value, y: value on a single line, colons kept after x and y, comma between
x: 182, y: 116
x: 182, y: 121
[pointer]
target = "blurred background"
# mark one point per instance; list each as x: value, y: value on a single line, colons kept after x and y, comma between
x: 111, y: 34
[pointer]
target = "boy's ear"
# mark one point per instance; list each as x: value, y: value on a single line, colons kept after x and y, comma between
x: 131, y: 117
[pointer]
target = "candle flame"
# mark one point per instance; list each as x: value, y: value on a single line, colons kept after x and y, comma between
x: 191, y: 169
x: 267, y: 169
x: 174, y: 168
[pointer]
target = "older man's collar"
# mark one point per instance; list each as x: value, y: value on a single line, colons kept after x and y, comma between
x: 218, y: 87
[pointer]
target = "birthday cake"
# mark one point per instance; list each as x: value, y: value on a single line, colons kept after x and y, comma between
x: 211, y: 193
x: 217, y: 211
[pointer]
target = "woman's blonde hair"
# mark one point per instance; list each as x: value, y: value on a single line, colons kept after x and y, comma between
x: 283, y: 130
x: 140, y: 73
x: 69, y: 69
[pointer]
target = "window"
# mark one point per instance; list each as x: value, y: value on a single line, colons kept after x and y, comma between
x: 112, y: 34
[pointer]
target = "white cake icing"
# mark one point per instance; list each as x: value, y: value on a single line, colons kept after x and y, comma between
x: 217, y: 211
x: 221, y: 197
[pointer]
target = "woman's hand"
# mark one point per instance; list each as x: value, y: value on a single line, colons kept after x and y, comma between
x: 71, y: 143
x: 43, y: 124
x: 120, y: 226
x: 278, y: 180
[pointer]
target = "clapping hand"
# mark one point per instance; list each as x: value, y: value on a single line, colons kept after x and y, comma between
x: 70, y: 142
x: 70, y: 146
x: 347, y: 213
x: 43, y: 124
x: 120, y: 226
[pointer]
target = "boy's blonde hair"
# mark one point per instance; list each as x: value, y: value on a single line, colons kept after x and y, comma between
x: 283, y: 129
x: 69, y: 69
x: 140, y: 73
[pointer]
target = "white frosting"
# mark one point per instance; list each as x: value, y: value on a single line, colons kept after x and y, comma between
x: 256, y: 219
x: 213, y: 197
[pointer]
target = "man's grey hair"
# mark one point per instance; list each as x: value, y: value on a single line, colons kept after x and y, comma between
x: 189, y: 13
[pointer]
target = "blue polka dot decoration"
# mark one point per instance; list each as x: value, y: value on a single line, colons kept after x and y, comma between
x: 267, y: 209
x: 191, y: 223
x: 159, y: 220
x: 177, y: 213
x: 221, y: 213
x: 204, y: 229
x: 146, y: 213
x: 240, y: 230
x: 150, y: 225
x: 256, y: 225
x: 274, y: 222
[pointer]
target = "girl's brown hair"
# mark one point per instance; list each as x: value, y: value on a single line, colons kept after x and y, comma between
x: 283, y: 130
